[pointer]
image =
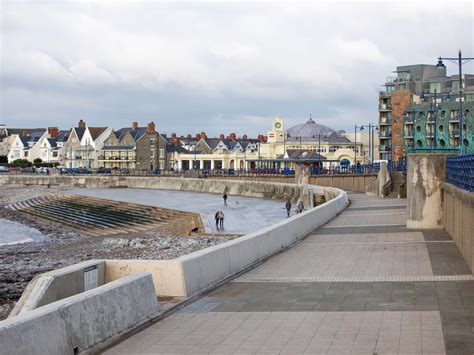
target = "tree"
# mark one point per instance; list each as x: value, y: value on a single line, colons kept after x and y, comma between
x: 37, y: 161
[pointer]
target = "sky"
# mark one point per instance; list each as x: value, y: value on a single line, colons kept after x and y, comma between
x: 214, y: 67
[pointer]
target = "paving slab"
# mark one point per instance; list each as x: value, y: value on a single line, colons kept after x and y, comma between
x: 362, y: 284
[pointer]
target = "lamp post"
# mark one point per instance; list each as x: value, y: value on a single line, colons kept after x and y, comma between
x: 370, y: 126
x: 460, y: 61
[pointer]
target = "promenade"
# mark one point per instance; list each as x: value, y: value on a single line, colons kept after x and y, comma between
x: 361, y: 284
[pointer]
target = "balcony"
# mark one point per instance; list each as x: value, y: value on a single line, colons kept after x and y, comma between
x: 385, y: 135
x: 105, y: 158
x: 384, y: 121
x: 385, y: 148
x: 385, y: 107
x: 454, y: 132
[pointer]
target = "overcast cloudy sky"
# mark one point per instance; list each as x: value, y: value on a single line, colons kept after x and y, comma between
x: 217, y: 67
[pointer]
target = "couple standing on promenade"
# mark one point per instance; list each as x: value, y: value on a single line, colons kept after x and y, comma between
x: 219, y: 216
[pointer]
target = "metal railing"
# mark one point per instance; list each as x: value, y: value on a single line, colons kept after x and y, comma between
x: 460, y: 171
x: 374, y: 168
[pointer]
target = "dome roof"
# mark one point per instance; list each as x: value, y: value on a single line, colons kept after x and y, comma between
x: 310, y: 129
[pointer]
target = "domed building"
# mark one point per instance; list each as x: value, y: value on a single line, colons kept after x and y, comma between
x: 325, y: 146
x: 309, y: 129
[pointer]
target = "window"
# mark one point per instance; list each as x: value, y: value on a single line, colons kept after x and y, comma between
x: 162, y: 164
x: 435, y: 87
x: 162, y: 152
x: 402, y: 87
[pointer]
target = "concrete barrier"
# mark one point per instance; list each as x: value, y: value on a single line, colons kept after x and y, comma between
x: 59, y: 284
x: 194, y: 272
x: 459, y: 220
x: 191, y: 273
x: 82, y: 322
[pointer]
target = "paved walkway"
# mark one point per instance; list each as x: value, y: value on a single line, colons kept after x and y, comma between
x: 362, y: 284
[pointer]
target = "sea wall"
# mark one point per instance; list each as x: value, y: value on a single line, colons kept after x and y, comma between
x: 80, y: 323
x: 58, y: 284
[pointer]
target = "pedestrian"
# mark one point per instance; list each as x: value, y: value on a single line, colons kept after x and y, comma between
x: 216, y: 216
x: 225, y: 198
x: 221, y: 219
x: 288, y: 207
x: 300, y: 207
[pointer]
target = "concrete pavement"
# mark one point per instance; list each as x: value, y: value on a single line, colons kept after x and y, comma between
x: 362, y: 284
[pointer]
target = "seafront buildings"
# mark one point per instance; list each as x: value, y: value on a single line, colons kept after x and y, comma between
x: 413, y: 100
x: 143, y: 148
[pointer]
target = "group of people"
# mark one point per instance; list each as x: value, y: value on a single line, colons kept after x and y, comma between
x: 219, y: 216
x: 299, y: 208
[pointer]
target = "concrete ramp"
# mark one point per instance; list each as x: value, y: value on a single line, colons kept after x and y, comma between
x: 95, y: 217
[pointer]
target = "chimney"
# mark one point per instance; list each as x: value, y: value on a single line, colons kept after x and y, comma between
x: 203, y: 135
x: 81, y: 124
x: 24, y: 134
x: 244, y: 137
x: 221, y: 136
x: 189, y: 136
x: 151, y: 127
x: 198, y: 135
x: 53, y: 132
x: 134, y: 125
x: 173, y: 136
x: 232, y: 137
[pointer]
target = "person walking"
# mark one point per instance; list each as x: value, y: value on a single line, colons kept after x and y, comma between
x: 300, y: 207
x: 216, y: 216
x: 221, y: 219
x: 288, y: 207
x: 225, y: 198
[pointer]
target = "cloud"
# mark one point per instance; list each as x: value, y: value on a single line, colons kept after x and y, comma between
x: 213, y: 67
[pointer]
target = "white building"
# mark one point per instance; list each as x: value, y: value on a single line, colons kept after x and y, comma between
x: 84, y: 146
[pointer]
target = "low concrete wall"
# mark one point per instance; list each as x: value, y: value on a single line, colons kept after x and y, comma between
x: 243, y: 188
x: 167, y: 274
x: 377, y: 187
x: 459, y: 220
x: 191, y: 273
x: 59, y: 284
x: 80, y: 323
x: 206, y: 267
x: 354, y: 183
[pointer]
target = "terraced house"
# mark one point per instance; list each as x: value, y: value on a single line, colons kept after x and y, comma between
x: 134, y: 147
x: 84, y: 145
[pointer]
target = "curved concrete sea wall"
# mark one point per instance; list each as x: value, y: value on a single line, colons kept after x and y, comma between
x: 79, y: 323
x: 189, y: 274
x: 231, y: 187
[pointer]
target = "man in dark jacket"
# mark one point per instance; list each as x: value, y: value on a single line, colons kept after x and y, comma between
x: 225, y: 198
x: 288, y: 207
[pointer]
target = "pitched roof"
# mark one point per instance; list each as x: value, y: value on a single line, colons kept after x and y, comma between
x: 20, y: 131
x: 80, y: 132
x: 212, y: 142
x: 62, y: 136
x: 96, y: 132
x: 304, y: 155
x: 170, y: 148
x: 136, y: 133
x: 52, y: 142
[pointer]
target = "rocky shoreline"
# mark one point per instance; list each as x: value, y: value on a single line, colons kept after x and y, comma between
x: 19, y: 263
